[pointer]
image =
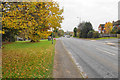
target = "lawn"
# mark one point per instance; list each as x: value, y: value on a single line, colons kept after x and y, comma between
x: 28, y: 60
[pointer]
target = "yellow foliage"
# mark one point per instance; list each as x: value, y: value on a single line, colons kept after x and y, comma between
x: 46, y: 16
x: 108, y: 27
x: 2, y: 32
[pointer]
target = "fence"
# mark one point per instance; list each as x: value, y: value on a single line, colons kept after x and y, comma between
x: 118, y: 35
x: 108, y: 35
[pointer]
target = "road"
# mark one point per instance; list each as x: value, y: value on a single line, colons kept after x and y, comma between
x: 94, y: 59
x: 64, y: 66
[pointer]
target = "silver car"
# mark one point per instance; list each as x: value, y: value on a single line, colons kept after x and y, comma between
x: 68, y: 36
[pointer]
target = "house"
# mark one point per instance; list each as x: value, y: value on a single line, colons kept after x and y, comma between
x: 116, y: 24
x: 101, y: 28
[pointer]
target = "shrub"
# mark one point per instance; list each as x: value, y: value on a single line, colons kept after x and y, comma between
x: 84, y: 29
x: 90, y: 34
x: 96, y: 35
x: 118, y: 32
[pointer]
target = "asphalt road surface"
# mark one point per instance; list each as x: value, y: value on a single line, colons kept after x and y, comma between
x: 95, y: 59
x: 64, y: 66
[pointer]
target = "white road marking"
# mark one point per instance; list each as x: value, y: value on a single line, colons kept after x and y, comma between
x: 93, y: 40
x: 106, y: 52
x: 106, y: 49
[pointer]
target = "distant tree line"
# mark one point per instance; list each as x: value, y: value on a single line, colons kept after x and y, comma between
x: 58, y: 33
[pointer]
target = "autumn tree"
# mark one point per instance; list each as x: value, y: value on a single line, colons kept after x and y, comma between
x: 32, y: 18
x: 8, y: 33
x: 108, y: 27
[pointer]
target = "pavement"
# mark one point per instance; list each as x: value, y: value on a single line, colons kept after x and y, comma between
x: 64, y: 66
x: 94, y: 59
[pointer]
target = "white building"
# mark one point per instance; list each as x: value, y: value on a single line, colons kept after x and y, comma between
x: 119, y: 10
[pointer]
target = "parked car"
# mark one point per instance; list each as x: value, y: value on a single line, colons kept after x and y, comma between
x: 20, y: 39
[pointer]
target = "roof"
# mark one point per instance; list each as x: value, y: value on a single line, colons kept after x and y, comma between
x: 102, y: 25
x: 116, y: 23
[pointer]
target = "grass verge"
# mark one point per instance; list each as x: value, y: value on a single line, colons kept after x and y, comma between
x: 106, y: 38
x: 98, y: 38
x: 57, y: 37
x: 28, y: 60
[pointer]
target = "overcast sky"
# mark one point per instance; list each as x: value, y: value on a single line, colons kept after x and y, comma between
x: 95, y: 11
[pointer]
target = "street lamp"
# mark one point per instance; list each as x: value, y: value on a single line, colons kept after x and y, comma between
x: 79, y: 19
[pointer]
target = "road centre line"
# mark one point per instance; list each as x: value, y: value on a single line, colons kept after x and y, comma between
x: 105, y: 51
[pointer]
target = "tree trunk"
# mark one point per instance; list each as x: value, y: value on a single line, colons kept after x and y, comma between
x: 32, y: 41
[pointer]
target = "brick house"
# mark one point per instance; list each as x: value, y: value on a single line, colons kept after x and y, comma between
x: 116, y: 24
x: 101, y: 28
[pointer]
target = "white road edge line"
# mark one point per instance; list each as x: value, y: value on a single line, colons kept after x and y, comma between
x: 105, y: 51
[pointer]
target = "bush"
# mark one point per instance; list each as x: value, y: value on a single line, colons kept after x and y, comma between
x: 84, y: 29
x: 96, y: 35
x: 8, y: 38
x: 90, y: 34
x: 118, y: 32
x: 114, y: 30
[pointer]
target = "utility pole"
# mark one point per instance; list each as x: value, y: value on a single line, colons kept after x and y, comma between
x: 52, y: 35
x: 119, y: 10
x: 79, y: 19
